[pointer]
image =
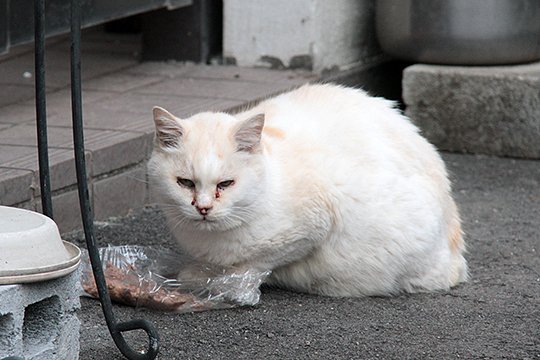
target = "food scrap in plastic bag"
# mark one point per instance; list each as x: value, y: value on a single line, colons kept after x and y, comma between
x: 160, y: 279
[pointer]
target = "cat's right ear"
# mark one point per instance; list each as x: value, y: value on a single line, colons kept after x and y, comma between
x: 168, y: 131
x: 248, y: 133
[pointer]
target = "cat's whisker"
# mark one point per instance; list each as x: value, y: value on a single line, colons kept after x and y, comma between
x: 156, y: 204
x: 165, y: 206
x: 241, y: 215
x: 138, y: 179
x: 180, y: 221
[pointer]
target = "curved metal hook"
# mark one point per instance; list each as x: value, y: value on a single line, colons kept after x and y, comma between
x: 138, y: 324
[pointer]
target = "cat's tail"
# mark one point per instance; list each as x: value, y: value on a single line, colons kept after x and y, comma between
x: 456, y: 243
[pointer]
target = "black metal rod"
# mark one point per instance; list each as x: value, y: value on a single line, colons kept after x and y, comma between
x: 115, y: 328
x: 41, y: 112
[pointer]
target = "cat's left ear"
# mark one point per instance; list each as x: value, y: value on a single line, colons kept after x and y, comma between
x: 168, y: 129
x: 248, y: 133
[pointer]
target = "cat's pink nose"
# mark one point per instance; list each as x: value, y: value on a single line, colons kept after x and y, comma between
x: 203, y: 210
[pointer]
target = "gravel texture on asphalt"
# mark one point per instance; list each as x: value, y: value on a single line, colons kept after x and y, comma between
x: 495, y: 315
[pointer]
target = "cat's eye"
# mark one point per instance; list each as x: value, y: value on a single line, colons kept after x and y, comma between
x: 185, y: 182
x: 225, y: 184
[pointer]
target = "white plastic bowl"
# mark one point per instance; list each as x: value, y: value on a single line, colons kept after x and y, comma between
x: 31, y: 248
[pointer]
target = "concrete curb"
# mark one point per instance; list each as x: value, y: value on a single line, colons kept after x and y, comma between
x: 485, y: 110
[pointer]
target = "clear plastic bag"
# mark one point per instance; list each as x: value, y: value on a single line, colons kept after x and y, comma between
x: 159, y: 279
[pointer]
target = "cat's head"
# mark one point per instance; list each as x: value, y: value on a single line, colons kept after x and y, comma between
x: 207, y: 170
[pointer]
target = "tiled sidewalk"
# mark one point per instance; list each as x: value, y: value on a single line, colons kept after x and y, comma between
x: 118, y: 95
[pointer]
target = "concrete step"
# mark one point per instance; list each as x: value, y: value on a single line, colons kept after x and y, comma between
x: 485, y: 110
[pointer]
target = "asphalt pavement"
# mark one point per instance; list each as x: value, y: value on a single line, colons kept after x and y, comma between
x: 496, y: 315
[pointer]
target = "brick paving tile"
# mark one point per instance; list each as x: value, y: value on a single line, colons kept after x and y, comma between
x: 59, y: 102
x: 110, y: 149
x: 120, y: 82
x: 96, y: 117
x: 15, y: 93
x: 163, y: 69
x: 287, y: 77
x: 115, y: 195
x: 177, y: 69
x: 17, y: 113
x: 62, y: 166
x: 57, y: 137
x: 15, y: 185
x: 214, y: 88
x: 9, y: 154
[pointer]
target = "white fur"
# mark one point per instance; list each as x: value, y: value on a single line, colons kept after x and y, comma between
x: 341, y: 197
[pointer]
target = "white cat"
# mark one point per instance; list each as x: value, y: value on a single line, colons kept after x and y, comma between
x: 332, y: 190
